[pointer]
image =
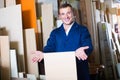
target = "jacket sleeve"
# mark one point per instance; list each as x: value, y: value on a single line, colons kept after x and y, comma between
x: 50, y: 46
x: 86, y: 40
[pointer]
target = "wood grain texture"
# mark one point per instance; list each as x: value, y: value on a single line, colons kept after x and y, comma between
x: 30, y: 43
x: 5, y: 57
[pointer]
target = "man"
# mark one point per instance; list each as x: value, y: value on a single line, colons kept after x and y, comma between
x: 70, y: 36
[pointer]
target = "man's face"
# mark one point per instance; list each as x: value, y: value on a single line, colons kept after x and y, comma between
x: 66, y: 15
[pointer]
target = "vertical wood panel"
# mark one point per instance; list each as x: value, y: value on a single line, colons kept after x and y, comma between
x: 5, y: 57
x: 1, y: 3
x: 47, y: 21
x: 13, y: 61
x: 30, y: 43
x: 10, y: 2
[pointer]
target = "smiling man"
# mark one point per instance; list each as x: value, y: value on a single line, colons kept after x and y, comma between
x: 70, y: 36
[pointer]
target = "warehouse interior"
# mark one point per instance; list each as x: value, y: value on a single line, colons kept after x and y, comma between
x: 25, y: 26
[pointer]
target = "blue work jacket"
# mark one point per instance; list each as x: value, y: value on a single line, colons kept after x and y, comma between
x: 77, y: 37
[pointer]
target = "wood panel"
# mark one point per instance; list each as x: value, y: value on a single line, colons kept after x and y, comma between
x: 4, y: 58
x: 11, y: 20
x: 13, y: 61
x: 106, y: 51
x: 60, y: 66
x: 10, y: 2
x: 47, y: 21
x: 1, y: 3
x: 31, y: 77
x: 20, y: 79
x: 30, y: 43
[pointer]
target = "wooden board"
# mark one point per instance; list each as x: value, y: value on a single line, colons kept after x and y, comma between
x: 20, y: 79
x: 30, y: 43
x: 1, y: 3
x: 31, y: 77
x: 60, y: 66
x: 4, y: 58
x: 11, y: 19
x: 53, y: 2
x: 13, y: 61
x: 10, y: 2
x: 47, y: 21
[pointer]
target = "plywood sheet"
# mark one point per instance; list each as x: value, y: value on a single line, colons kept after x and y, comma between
x: 47, y: 21
x: 1, y: 3
x: 60, y: 66
x: 30, y: 43
x: 11, y: 19
x: 13, y: 61
x: 4, y: 58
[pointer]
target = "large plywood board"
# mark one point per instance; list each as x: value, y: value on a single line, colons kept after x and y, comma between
x: 30, y: 43
x: 47, y: 21
x: 11, y: 19
x: 60, y: 66
x: 4, y: 58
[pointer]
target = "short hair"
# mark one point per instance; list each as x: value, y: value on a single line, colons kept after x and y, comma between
x: 64, y: 5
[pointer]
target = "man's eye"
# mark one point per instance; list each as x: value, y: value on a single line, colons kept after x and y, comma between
x: 62, y: 13
x: 69, y: 13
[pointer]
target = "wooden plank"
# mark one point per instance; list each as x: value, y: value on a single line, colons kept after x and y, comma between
x: 21, y: 74
x: 3, y: 31
x: 95, y: 20
x: 19, y: 79
x: 31, y: 77
x: 42, y: 77
x: 11, y: 19
x: 106, y: 53
x: 10, y: 2
x: 5, y: 57
x: 13, y: 61
x: 54, y: 3
x: 30, y: 43
x: 1, y: 3
x: 58, y: 64
x: 39, y: 35
x: 47, y: 21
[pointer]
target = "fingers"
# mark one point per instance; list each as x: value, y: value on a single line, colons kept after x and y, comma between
x: 37, y: 56
x: 80, y: 53
x: 81, y: 56
x: 36, y: 59
x: 86, y: 47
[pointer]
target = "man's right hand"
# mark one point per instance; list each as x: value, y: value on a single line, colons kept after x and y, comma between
x: 37, y: 56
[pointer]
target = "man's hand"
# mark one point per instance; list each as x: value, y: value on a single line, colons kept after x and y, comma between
x: 37, y: 56
x: 80, y: 53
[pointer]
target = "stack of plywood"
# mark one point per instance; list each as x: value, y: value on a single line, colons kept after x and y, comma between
x: 14, y: 29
